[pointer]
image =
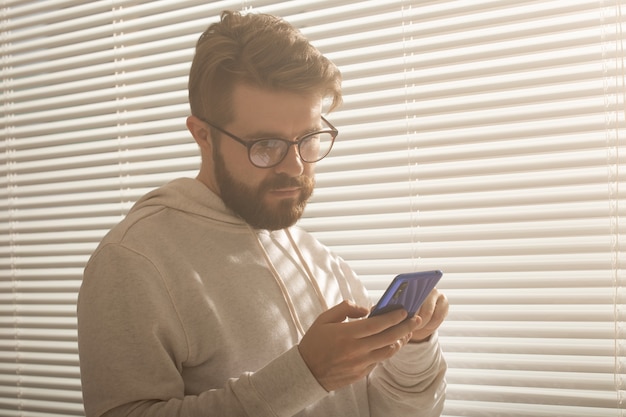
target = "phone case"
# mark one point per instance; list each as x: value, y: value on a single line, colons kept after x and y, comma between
x: 407, y: 291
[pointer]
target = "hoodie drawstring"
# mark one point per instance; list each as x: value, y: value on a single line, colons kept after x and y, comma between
x: 281, y: 283
x: 310, y: 276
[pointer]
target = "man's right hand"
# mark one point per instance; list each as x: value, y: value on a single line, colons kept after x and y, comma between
x: 340, y: 352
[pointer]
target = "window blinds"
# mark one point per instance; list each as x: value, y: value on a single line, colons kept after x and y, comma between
x: 479, y: 137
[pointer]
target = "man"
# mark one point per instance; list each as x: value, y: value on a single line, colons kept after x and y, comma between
x: 205, y: 301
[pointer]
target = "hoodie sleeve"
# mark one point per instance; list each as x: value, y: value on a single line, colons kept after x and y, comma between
x: 133, y: 347
x: 410, y: 383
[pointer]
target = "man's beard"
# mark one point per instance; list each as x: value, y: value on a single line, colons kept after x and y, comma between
x: 248, y: 202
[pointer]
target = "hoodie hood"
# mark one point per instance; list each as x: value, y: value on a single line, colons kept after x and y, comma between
x: 190, y: 196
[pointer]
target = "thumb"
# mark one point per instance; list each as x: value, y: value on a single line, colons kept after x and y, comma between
x: 343, y: 310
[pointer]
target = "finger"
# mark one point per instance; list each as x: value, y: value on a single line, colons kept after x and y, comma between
x: 387, y: 351
x: 343, y: 310
x: 438, y: 316
x: 400, y: 332
x: 429, y: 303
x: 441, y: 310
x: 429, y: 306
x: 374, y: 325
x: 404, y: 340
x: 419, y: 322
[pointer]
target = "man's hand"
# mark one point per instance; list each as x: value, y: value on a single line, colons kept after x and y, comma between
x: 430, y: 316
x: 340, y: 352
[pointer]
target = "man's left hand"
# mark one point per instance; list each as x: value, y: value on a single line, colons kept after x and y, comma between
x: 430, y: 316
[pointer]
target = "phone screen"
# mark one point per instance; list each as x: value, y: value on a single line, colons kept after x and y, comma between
x: 407, y: 291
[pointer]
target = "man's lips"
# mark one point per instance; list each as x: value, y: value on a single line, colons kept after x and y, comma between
x: 286, y: 192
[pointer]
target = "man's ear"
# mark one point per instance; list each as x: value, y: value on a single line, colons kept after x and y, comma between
x: 201, y: 133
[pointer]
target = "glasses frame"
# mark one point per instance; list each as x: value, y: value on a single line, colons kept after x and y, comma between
x: 249, y: 144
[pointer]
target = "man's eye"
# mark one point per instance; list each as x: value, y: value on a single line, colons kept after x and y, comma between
x: 268, y: 144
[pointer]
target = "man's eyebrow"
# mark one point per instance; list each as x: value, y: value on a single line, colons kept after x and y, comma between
x: 266, y: 134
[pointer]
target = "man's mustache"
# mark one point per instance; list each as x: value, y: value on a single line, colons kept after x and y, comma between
x: 285, y: 181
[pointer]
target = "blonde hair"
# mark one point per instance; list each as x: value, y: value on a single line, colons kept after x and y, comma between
x: 263, y: 51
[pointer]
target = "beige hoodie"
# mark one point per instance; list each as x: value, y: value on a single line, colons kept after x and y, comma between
x: 186, y: 311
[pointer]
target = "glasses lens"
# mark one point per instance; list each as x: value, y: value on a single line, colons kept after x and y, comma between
x: 268, y: 152
x: 316, y: 147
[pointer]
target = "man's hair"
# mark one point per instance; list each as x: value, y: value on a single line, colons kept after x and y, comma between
x: 260, y: 50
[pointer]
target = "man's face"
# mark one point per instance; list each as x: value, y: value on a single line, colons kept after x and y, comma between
x: 251, y: 201
x: 266, y: 198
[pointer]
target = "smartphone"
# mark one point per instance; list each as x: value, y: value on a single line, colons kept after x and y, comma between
x: 407, y: 291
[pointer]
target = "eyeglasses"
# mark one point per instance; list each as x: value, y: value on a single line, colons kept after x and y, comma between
x: 269, y: 152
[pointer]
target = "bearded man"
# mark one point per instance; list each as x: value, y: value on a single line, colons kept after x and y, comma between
x: 206, y: 300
